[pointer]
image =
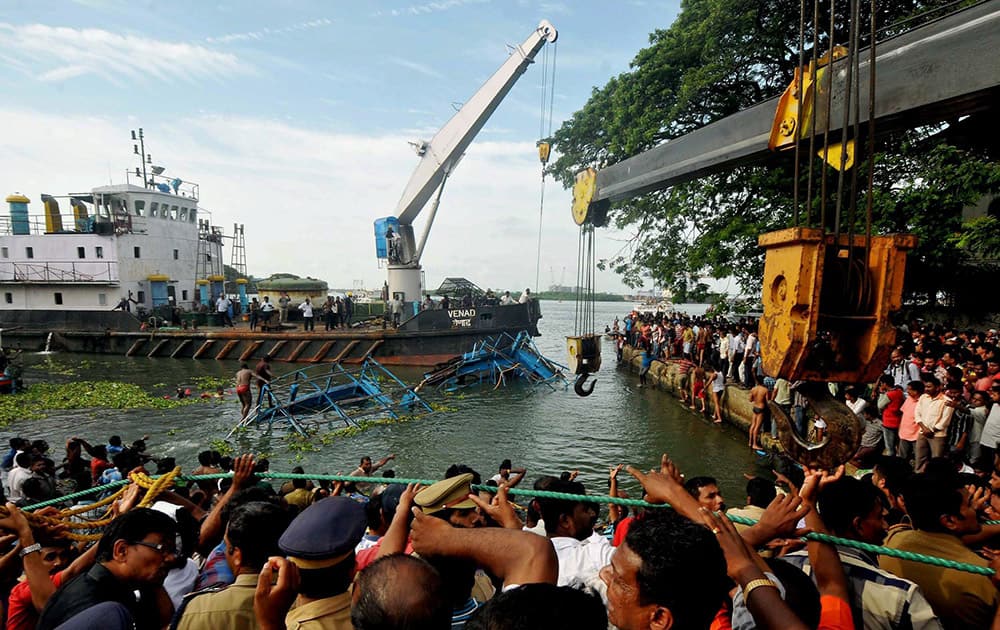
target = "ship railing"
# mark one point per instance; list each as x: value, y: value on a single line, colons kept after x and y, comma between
x: 70, y: 225
x: 60, y: 271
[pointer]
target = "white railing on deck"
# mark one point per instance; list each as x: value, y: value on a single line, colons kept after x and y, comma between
x: 60, y: 271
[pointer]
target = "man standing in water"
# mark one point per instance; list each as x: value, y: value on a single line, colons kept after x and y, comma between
x: 243, y: 376
x: 264, y: 375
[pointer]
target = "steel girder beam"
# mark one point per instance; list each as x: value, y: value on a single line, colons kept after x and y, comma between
x: 944, y: 69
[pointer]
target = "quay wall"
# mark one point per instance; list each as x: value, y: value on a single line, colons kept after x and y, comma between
x: 736, y: 408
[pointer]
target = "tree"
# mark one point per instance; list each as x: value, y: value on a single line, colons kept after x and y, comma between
x: 721, y: 56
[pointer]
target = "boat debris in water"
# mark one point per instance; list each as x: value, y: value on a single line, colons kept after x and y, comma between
x: 302, y: 400
x: 495, y: 361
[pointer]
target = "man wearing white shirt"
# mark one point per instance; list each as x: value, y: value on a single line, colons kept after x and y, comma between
x: 932, y: 416
x: 307, y: 315
x: 525, y: 296
x: 506, y: 299
x: 581, y: 552
x: 22, y: 471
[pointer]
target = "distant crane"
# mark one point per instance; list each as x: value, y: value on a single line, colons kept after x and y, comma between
x: 395, y: 242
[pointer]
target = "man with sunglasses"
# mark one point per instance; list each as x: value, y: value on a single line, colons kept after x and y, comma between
x: 133, y: 555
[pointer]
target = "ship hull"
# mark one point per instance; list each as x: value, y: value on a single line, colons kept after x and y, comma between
x: 427, y: 339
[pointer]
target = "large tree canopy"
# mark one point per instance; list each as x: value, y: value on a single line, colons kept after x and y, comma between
x: 721, y: 56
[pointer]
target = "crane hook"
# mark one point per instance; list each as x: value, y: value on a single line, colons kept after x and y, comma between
x: 843, y: 435
x: 580, y: 389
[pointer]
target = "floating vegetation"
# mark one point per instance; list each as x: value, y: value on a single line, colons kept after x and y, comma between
x: 212, y: 382
x: 41, y: 397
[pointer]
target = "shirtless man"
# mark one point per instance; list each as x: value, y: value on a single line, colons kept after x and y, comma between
x: 264, y: 376
x: 243, y: 376
x: 758, y: 398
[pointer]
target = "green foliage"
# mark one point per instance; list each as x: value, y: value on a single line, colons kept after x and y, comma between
x: 212, y: 382
x: 224, y: 447
x: 722, y: 56
x: 41, y: 397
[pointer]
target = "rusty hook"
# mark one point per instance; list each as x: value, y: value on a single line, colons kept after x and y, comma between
x: 842, y: 437
x: 580, y: 389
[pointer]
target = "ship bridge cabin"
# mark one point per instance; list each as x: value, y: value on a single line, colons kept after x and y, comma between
x: 86, y: 251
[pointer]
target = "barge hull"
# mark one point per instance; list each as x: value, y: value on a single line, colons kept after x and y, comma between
x: 427, y: 339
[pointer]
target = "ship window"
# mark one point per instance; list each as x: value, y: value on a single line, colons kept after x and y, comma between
x: 5, y: 252
x: 183, y: 216
x: 102, y: 299
x: 184, y: 294
x: 177, y: 254
x: 29, y: 252
x: 173, y: 213
x: 98, y: 252
x: 193, y: 215
x: 8, y: 297
x: 154, y: 208
x: 140, y: 297
x: 81, y: 252
x: 140, y: 208
x: 58, y: 297
x: 136, y: 251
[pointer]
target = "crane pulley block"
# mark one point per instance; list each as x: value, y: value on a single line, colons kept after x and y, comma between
x: 828, y: 301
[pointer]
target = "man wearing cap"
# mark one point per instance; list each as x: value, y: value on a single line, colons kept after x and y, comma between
x: 320, y: 542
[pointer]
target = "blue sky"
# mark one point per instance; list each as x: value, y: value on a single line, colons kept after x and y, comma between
x: 294, y: 117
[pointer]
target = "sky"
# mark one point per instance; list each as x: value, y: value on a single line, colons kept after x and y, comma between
x: 294, y: 118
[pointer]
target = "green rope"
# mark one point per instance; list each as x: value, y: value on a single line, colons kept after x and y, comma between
x: 546, y: 494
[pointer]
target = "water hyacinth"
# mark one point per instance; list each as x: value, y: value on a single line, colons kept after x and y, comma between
x: 41, y: 397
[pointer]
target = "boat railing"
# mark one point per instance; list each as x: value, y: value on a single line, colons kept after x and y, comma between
x: 37, y: 225
x: 374, y: 390
x: 60, y: 271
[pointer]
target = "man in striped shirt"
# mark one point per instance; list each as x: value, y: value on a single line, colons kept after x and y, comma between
x: 853, y: 509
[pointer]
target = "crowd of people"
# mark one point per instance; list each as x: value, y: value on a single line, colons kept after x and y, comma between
x: 936, y: 398
x: 464, y: 552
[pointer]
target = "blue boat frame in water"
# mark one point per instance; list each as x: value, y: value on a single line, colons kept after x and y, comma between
x: 495, y: 361
x: 295, y: 400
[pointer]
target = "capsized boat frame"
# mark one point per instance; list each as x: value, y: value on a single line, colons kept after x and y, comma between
x: 494, y: 360
x: 298, y: 398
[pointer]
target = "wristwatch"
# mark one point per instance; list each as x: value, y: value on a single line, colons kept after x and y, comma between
x: 32, y: 548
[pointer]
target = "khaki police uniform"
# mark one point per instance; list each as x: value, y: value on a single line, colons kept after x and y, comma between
x: 228, y: 607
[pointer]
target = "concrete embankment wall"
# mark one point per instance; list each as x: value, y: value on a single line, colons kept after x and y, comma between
x: 736, y: 408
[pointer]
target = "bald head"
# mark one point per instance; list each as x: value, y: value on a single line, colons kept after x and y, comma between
x: 400, y: 592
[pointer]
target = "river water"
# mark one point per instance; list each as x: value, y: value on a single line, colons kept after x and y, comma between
x: 544, y: 431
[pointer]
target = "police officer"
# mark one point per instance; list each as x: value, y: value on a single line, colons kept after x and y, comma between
x: 320, y: 542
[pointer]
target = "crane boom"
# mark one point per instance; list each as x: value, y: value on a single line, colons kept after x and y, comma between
x: 438, y: 157
x: 943, y: 69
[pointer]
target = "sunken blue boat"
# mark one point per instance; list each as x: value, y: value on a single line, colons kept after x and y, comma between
x: 302, y: 400
x: 496, y: 361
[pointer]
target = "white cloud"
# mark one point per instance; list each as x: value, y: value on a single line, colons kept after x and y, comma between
x: 63, y: 73
x: 428, y: 7
x: 267, y: 31
x: 58, y: 53
x: 308, y: 197
x: 416, y: 67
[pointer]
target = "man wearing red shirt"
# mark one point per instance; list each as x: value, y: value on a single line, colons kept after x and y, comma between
x: 892, y: 412
x: 46, y: 567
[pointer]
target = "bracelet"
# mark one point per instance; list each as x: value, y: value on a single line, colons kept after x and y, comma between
x: 751, y: 585
x: 32, y: 548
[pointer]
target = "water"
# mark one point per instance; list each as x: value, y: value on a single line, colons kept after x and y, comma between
x: 546, y: 432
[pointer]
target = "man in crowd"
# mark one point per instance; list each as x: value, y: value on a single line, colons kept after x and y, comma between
x: 941, y: 512
x: 706, y: 491
x: 251, y: 537
x: 570, y: 526
x: 367, y: 469
x: 133, y: 556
